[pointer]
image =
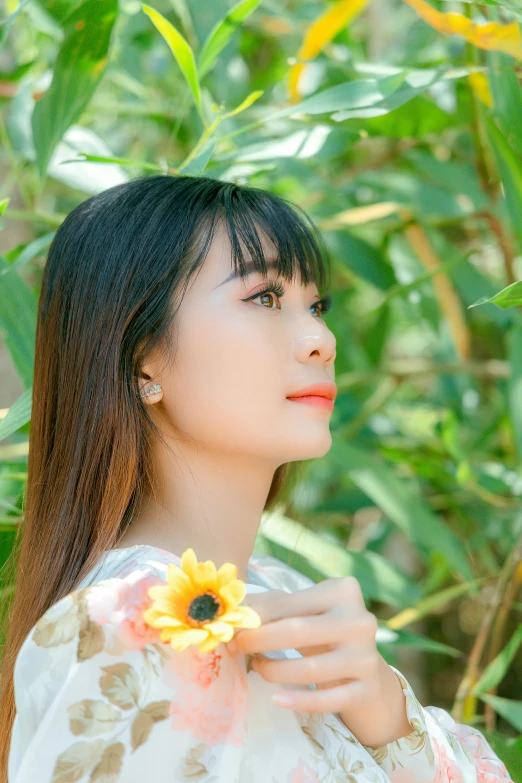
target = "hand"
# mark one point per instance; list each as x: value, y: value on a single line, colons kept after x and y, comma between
x: 329, y: 625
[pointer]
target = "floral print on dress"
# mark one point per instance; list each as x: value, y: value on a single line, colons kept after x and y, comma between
x: 100, y: 699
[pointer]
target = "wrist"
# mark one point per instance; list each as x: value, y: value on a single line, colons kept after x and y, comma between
x: 384, y: 721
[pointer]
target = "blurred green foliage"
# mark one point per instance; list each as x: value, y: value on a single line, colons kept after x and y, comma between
x: 401, y: 135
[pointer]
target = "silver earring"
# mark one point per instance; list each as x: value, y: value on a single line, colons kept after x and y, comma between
x: 153, y: 390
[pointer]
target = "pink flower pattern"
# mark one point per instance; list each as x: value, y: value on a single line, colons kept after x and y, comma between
x: 186, y: 715
x: 447, y: 769
x: 211, y: 695
x: 121, y: 604
x: 303, y: 773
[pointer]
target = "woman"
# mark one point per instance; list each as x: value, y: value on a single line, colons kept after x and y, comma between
x: 179, y: 317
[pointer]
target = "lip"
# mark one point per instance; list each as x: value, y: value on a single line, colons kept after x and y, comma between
x: 326, y: 391
x: 319, y: 402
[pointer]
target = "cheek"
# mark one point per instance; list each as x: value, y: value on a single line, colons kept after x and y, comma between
x: 228, y: 376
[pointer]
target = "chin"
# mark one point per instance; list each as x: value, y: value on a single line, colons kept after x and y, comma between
x: 303, y: 448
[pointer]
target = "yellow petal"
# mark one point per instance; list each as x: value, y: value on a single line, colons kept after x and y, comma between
x: 207, y: 576
x: 167, y: 606
x: 233, y: 592
x: 189, y: 564
x: 250, y: 618
x: 179, y: 640
x: 150, y: 616
x: 232, y: 616
x: 177, y: 579
x: 222, y: 630
x: 164, y: 621
x: 159, y: 591
x: 210, y: 644
x: 226, y: 574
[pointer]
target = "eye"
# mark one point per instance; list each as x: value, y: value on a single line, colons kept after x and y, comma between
x: 325, y: 304
x: 276, y: 289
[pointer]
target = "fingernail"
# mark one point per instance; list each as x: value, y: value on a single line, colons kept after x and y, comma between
x: 284, y: 699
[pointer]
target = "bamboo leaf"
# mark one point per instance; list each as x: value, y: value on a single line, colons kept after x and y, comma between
x: 378, y: 579
x: 510, y: 166
x: 181, y: 51
x: 18, y: 414
x: 492, y: 35
x: 508, y: 297
x: 321, y: 32
x: 494, y: 673
x: 17, y: 298
x: 221, y: 33
x: 78, y: 70
x: 402, y: 505
x: 509, y: 709
x: 249, y: 100
x: 431, y: 604
x: 514, y: 390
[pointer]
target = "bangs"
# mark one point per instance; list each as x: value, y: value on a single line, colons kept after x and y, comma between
x: 299, y: 249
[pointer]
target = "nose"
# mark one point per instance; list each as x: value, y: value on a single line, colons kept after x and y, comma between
x: 318, y: 344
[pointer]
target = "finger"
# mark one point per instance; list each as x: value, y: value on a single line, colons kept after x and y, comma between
x: 352, y: 695
x: 299, y: 632
x: 336, y: 666
x: 317, y: 599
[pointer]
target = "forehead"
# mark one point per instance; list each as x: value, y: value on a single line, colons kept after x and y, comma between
x: 219, y: 263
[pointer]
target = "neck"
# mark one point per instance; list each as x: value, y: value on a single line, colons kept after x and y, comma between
x: 208, y: 501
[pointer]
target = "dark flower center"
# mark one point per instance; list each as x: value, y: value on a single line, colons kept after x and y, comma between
x: 204, y: 607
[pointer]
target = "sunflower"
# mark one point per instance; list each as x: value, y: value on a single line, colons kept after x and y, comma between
x: 199, y: 605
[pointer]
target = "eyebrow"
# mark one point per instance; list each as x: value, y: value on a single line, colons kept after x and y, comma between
x: 250, y: 267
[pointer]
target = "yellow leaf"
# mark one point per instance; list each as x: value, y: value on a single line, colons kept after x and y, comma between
x: 359, y: 215
x: 249, y: 100
x: 480, y: 86
x: 321, y: 32
x: 492, y: 35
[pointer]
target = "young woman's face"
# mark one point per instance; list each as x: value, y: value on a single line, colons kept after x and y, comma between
x: 236, y: 361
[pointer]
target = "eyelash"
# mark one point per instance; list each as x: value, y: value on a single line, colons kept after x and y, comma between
x: 277, y: 289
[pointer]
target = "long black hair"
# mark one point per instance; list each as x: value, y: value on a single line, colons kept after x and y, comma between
x: 115, y: 274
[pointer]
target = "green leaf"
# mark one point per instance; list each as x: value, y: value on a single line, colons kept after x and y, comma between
x: 181, y: 51
x: 79, y: 68
x: 249, y: 100
x: 348, y: 95
x: 27, y: 252
x: 508, y: 297
x: 510, y: 166
x: 402, y: 505
x: 198, y: 164
x: 222, y: 32
x: 432, y: 603
x: 18, y: 414
x: 412, y: 84
x: 514, y: 388
x: 507, y: 96
x: 362, y: 258
x: 494, y: 673
x: 378, y: 579
x: 507, y: 708
x: 18, y: 306
x: 85, y: 156
x: 399, y: 638
x: 60, y: 9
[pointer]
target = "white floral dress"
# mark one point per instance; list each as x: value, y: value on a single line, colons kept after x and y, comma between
x: 99, y: 700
